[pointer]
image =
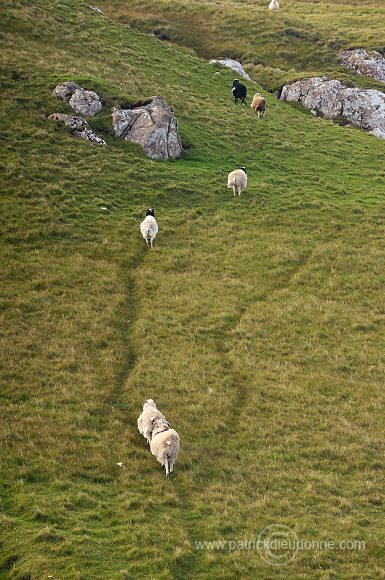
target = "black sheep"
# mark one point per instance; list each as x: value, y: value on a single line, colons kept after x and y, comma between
x: 239, y: 91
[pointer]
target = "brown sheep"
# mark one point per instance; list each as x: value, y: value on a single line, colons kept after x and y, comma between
x: 259, y: 105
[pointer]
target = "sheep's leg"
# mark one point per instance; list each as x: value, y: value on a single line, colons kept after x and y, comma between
x: 235, y: 191
x: 152, y: 242
x: 167, y: 468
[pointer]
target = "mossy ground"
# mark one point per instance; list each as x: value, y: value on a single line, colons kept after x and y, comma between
x: 256, y: 323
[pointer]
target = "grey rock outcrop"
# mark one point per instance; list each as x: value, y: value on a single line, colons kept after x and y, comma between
x: 78, y: 127
x: 331, y: 99
x: 358, y: 59
x: 85, y: 102
x: 81, y: 101
x: 233, y: 64
x: 378, y: 133
x: 95, y: 9
x: 152, y: 125
x: 65, y: 91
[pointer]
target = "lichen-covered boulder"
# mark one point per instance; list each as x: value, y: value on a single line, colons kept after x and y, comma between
x: 65, y: 90
x: 78, y: 127
x: 330, y: 98
x: 85, y: 102
x: 152, y: 125
x: 371, y: 65
x: 80, y: 100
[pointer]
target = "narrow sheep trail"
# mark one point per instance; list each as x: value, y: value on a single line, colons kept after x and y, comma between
x: 239, y: 392
x: 127, y: 314
x: 238, y: 386
x: 187, y: 566
x: 190, y: 565
x: 192, y: 561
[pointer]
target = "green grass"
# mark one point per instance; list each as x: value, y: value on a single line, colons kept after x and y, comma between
x: 302, y: 39
x: 256, y: 323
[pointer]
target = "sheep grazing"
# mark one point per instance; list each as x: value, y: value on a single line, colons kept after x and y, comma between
x: 237, y: 180
x: 239, y: 91
x: 164, y: 444
x: 259, y: 105
x: 149, y: 227
x: 274, y: 5
x: 145, y: 421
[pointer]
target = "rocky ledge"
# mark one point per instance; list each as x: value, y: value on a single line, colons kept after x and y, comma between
x: 233, y: 64
x: 371, y: 65
x: 78, y: 127
x: 331, y: 99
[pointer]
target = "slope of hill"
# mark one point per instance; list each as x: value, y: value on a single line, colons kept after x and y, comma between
x: 255, y: 322
x: 302, y: 39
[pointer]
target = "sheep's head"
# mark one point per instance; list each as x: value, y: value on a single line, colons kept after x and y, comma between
x: 235, y: 82
x: 150, y: 211
x: 243, y: 168
x: 149, y: 403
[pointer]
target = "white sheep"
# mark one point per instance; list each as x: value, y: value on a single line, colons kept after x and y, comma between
x: 237, y: 180
x: 164, y: 444
x: 149, y: 227
x: 274, y: 5
x: 145, y: 421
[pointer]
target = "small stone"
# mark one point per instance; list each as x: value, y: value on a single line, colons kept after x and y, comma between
x: 95, y: 9
x: 233, y: 64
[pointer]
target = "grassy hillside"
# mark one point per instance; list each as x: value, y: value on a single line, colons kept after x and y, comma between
x: 256, y: 323
x: 302, y: 39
